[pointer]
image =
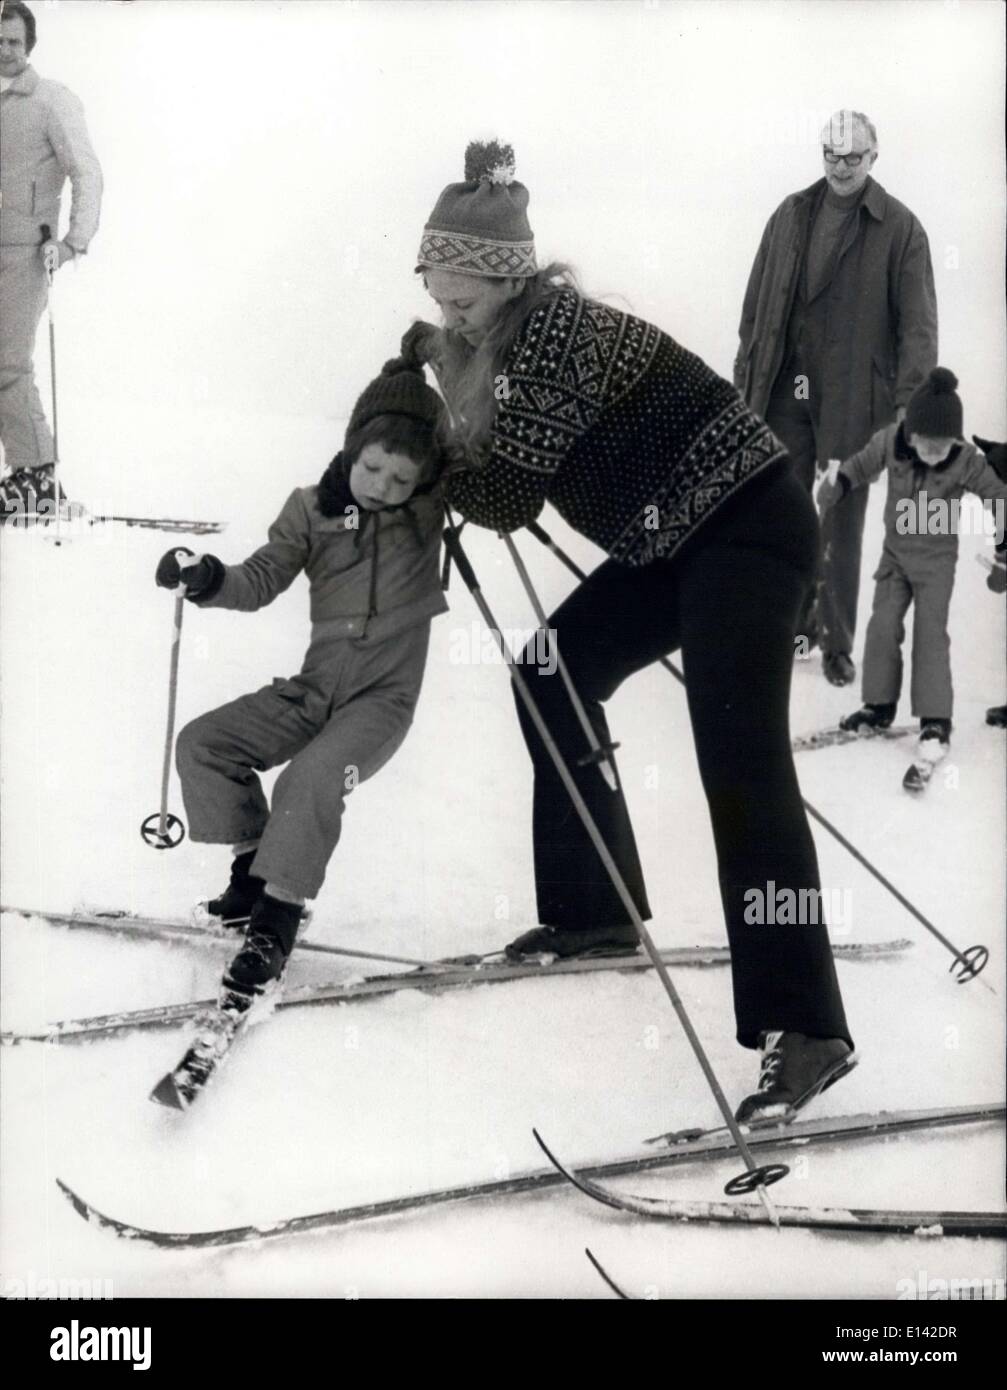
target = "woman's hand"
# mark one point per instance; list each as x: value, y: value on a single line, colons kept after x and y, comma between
x: 417, y: 343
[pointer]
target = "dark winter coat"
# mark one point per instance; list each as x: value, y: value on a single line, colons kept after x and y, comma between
x: 635, y: 441
x: 880, y: 315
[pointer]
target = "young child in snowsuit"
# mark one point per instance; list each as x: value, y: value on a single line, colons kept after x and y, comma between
x: 368, y: 537
x: 926, y: 460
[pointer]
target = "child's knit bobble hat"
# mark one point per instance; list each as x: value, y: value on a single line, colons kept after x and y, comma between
x: 480, y: 226
x: 935, y: 410
x: 399, y: 390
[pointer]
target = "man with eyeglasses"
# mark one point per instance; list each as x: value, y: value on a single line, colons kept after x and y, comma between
x: 838, y: 329
x: 43, y: 142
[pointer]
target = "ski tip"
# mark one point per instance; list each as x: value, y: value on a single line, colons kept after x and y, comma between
x: 166, y: 1093
x: 599, y: 1267
x: 78, y: 1203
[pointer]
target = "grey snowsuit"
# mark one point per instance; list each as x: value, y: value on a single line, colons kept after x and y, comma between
x: 374, y: 590
x: 917, y: 564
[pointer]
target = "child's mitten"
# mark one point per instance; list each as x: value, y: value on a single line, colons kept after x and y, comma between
x: 198, y: 573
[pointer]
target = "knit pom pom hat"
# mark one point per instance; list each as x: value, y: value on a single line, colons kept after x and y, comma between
x: 480, y: 226
x: 400, y: 390
x: 935, y: 410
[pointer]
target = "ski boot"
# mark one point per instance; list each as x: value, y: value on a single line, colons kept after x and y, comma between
x: 934, y: 742
x: 794, y: 1070
x: 30, y: 494
x: 838, y: 669
x: 565, y: 942
x: 869, y: 717
x: 272, y: 931
x: 997, y: 717
x: 234, y: 906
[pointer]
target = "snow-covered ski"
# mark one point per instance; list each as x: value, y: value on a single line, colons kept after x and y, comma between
x: 80, y: 516
x: 832, y: 738
x: 931, y: 752
x: 235, y: 1009
x: 870, y: 1220
x: 848, y: 1129
x: 437, y: 976
x: 121, y: 923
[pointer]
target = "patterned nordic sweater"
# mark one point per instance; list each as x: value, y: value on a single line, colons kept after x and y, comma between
x: 635, y: 441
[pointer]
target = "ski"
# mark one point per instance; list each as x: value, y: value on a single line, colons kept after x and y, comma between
x: 165, y: 523
x: 921, y: 769
x: 920, y: 773
x: 234, y: 1011
x: 80, y: 516
x: 122, y: 923
x: 871, y: 1221
x: 436, y: 976
x: 851, y: 1128
x: 833, y: 738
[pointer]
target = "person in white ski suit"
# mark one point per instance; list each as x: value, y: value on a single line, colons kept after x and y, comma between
x: 43, y: 142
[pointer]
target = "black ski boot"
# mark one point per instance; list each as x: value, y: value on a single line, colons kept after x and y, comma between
x: 31, y: 492
x: 269, y: 941
x: 234, y: 906
x: 939, y: 729
x: 869, y: 717
x: 794, y: 1070
x: 564, y: 942
x: 838, y: 669
x: 997, y: 717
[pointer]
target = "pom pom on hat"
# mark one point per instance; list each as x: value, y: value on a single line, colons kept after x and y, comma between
x: 489, y: 162
x: 394, y: 365
x: 942, y: 381
x: 401, y: 389
x: 480, y: 226
x: 935, y: 408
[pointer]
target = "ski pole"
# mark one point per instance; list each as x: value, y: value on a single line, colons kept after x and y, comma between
x: 597, y: 754
x: 968, y: 962
x: 756, y: 1178
x: 161, y: 829
x: 50, y: 259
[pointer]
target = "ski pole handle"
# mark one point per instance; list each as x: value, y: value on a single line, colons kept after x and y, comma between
x: 186, y: 561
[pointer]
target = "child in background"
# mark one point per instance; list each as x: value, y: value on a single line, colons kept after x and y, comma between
x: 926, y: 459
x: 368, y: 537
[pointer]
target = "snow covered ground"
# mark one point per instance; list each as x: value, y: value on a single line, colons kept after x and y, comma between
x: 345, y: 1105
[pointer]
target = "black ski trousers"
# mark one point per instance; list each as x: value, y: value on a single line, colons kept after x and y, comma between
x: 729, y: 602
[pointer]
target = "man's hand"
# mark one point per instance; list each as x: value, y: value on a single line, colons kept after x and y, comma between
x: 55, y: 254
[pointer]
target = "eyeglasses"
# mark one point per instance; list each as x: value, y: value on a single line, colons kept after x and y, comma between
x: 851, y: 161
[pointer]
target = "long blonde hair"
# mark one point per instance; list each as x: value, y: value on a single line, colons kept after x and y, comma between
x: 468, y: 375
